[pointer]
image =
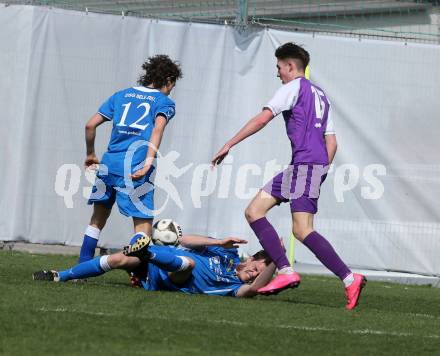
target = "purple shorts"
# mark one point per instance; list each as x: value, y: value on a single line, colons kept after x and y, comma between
x: 300, y: 185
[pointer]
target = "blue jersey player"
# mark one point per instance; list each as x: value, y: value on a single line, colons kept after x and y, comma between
x: 203, y: 266
x: 139, y: 116
x: 306, y: 111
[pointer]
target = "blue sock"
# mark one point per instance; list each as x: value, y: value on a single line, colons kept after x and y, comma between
x: 89, y: 244
x: 164, y: 259
x: 91, y: 268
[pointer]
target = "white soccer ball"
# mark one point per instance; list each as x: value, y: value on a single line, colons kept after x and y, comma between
x: 166, y: 232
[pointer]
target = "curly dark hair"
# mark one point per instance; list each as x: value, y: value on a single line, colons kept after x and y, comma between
x: 158, y: 70
x: 290, y: 50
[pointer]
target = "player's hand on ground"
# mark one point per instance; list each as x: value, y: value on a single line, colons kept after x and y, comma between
x: 91, y: 161
x: 220, y: 156
x: 232, y: 242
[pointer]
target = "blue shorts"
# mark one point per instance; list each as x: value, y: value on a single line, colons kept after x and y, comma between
x: 136, y: 200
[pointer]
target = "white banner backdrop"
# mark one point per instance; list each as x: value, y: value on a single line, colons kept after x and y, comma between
x: 378, y: 206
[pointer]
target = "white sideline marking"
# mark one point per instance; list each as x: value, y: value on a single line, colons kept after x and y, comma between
x: 217, y: 291
x: 239, y: 323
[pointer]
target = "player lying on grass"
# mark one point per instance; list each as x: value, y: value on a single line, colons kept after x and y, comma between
x: 204, y: 265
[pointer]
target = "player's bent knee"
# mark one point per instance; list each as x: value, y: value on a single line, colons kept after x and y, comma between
x: 300, y: 233
x: 252, y: 214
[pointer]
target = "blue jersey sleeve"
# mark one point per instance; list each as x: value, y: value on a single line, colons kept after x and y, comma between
x: 107, y: 109
x: 166, y: 108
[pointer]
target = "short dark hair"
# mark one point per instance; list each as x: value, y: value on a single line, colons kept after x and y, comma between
x: 262, y: 255
x: 290, y: 50
x: 159, y: 70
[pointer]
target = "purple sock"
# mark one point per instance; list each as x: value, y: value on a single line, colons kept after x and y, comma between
x: 270, y: 241
x: 326, y: 254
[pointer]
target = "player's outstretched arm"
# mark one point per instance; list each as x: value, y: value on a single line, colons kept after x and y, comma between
x: 90, y: 129
x: 153, y: 146
x: 250, y: 290
x: 252, y: 126
x: 198, y: 241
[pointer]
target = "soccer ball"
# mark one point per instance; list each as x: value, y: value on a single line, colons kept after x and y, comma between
x: 166, y: 232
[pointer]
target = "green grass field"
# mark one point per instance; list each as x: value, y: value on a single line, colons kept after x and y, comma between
x: 107, y: 317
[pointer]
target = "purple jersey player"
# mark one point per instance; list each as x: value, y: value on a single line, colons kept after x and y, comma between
x: 307, y: 115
